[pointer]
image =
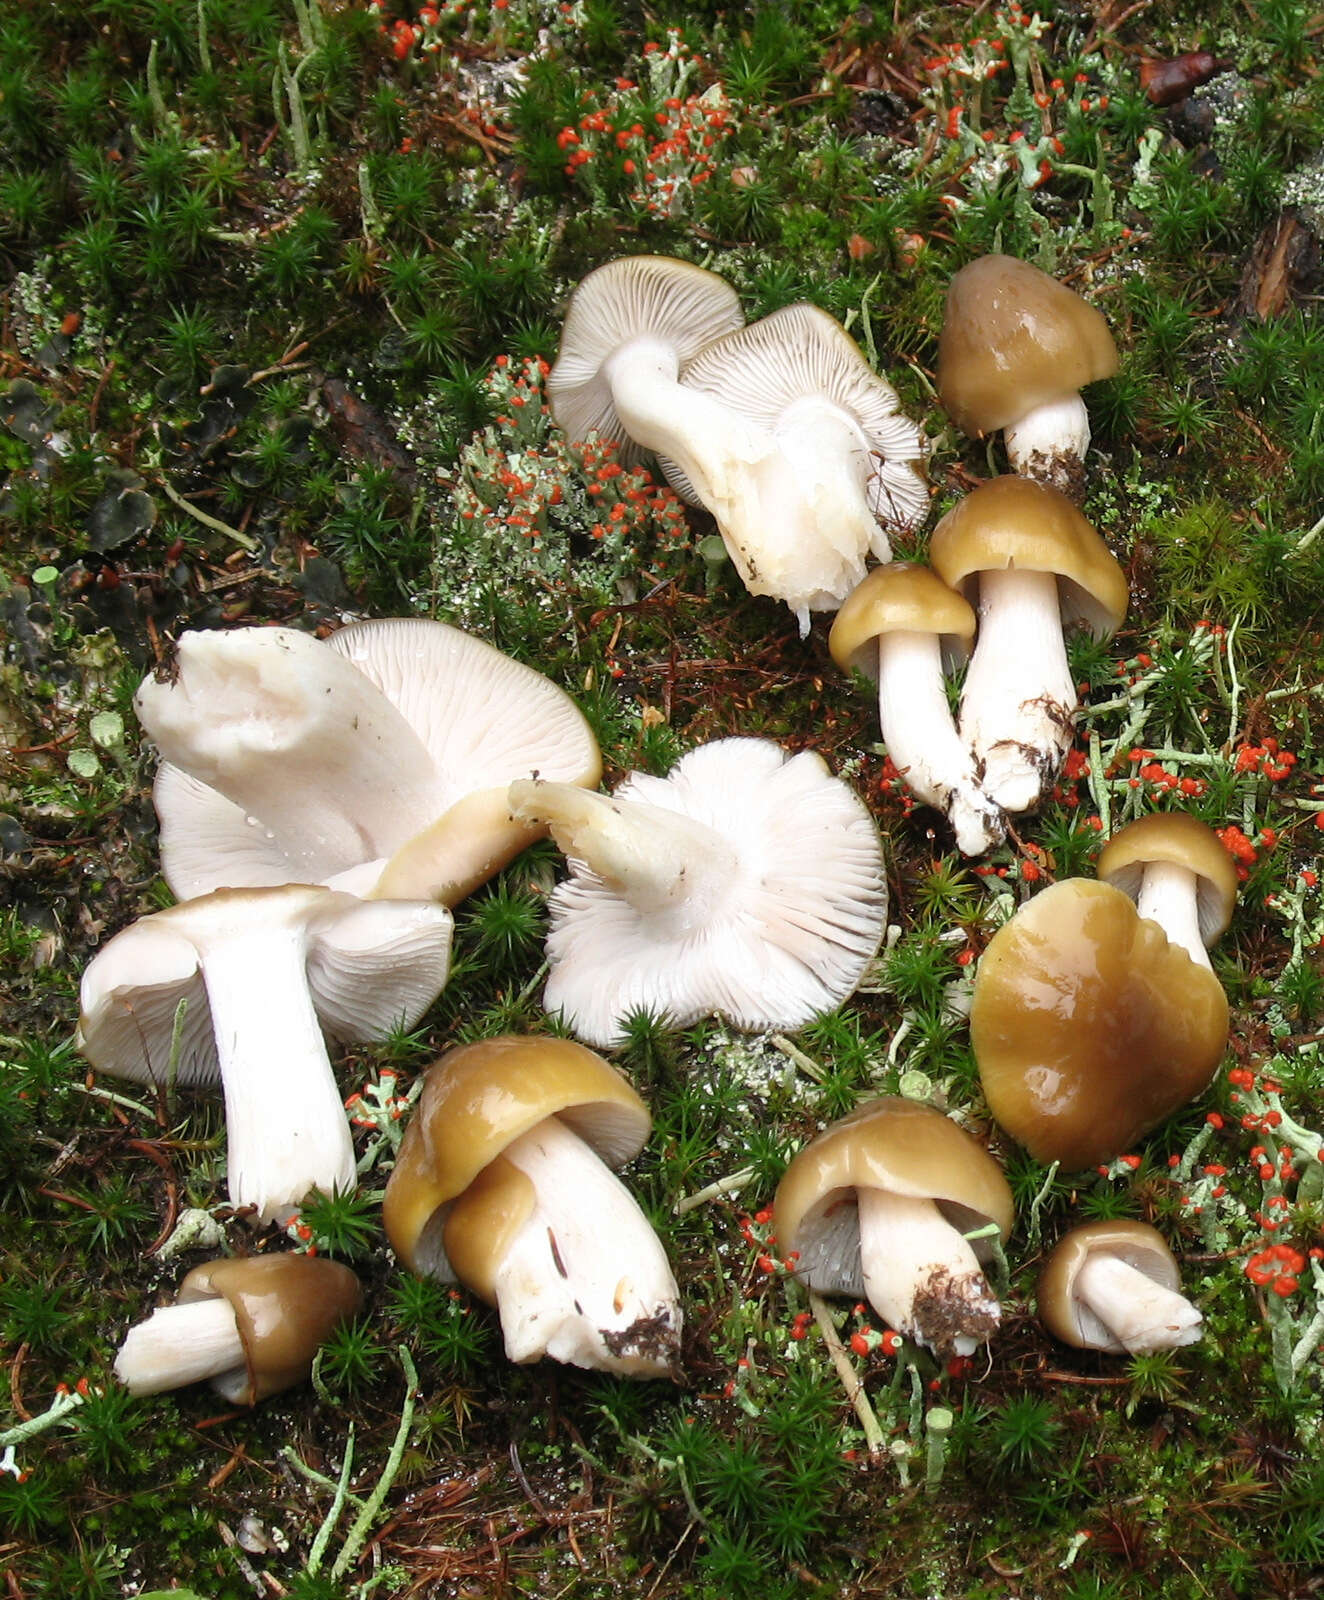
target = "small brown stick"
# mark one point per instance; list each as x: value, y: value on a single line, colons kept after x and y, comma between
x: 222, y: 1473
x: 15, y: 1398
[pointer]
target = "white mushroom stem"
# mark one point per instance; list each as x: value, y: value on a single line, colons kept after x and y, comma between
x: 663, y: 863
x: 297, y: 736
x: 179, y: 1345
x: 287, y: 1132
x: 922, y: 740
x: 801, y: 542
x: 922, y: 1275
x: 1139, y: 1314
x: 1048, y: 442
x: 1169, y: 895
x: 585, y: 1280
x: 1019, y: 698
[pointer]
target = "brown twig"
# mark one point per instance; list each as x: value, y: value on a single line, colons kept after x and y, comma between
x: 15, y: 1397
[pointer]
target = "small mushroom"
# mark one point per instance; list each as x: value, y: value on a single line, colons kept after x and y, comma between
x: 1114, y: 1286
x: 881, y: 1204
x: 375, y: 761
x: 747, y: 882
x: 1176, y: 870
x: 896, y: 628
x: 251, y: 1326
x: 1037, y: 566
x: 1015, y: 350
x: 259, y: 974
x: 854, y: 458
x: 504, y: 1182
x: 1088, y: 1026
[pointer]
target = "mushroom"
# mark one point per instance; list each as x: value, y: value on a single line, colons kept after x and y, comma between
x: 259, y: 974
x: 376, y: 761
x: 747, y: 882
x: 882, y: 1203
x: 1015, y: 350
x: 1088, y: 1026
x: 1037, y: 566
x: 800, y: 377
x: 1176, y: 870
x: 251, y: 1326
x: 1114, y: 1286
x: 896, y: 628
x: 504, y: 1182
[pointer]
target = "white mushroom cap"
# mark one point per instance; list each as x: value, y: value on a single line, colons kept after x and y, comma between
x: 376, y: 761
x: 670, y: 304
x: 747, y: 882
x: 261, y: 973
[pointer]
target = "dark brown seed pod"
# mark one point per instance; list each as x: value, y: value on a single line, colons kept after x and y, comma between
x: 1166, y: 82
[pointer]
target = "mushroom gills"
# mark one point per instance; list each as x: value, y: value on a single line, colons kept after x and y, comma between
x: 181, y: 1344
x: 584, y: 1279
x: 1169, y: 895
x: 922, y: 1275
x: 922, y: 740
x: 1018, y: 705
x: 1120, y: 1308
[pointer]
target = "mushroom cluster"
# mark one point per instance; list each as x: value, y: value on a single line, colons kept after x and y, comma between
x: 780, y: 429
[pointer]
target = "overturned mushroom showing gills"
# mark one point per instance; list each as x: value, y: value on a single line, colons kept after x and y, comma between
x: 249, y: 1326
x: 1115, y: 1286
x: 1088, y: 1026
x: 747, y: 882
x: 880, y: 1204
x: 855, y: 459
x: 259, y: 973
x: 376, y: 761
x: 1016, y: 349
x: 1035, y: 566
x: 504, y: 1182
x: 895, y: 628
x: 1176, y: 870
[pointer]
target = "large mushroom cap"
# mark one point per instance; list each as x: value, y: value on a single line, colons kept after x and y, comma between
x: 1180, y: 840
x: 285, y: 1307
x: 672, y: 303
x: 477, y: 1100
x: 901, y: 1146
x: 1013, y: 339
x: 768, y: 371
x: 902, y: 596
x: 409, y: 783
x: 1088, y: 1026
x: 773, y: 904
x: 1012, y: 523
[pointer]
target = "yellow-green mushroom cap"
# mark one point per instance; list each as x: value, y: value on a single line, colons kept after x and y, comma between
x: 902, y: 596
x: 1181, y: 840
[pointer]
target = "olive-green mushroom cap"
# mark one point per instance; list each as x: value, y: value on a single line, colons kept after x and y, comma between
x: 1012, y: 522
x: 1182, y: 840
x: 1014, y: 339
x: 1089, y: 1027
x: 477, y: 1100
x: 902, y: 596
x: 1135, y: 1243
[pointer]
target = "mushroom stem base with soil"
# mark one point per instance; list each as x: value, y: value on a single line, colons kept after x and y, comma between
x: 1169, y: 896
x: 1019, y: 700
x: 1049, y: 444
x: 1137, y: 1314
x: 922, y: 1275
x: 179, y: 1345
x: 922, y: 740
x: 585, y: 1279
